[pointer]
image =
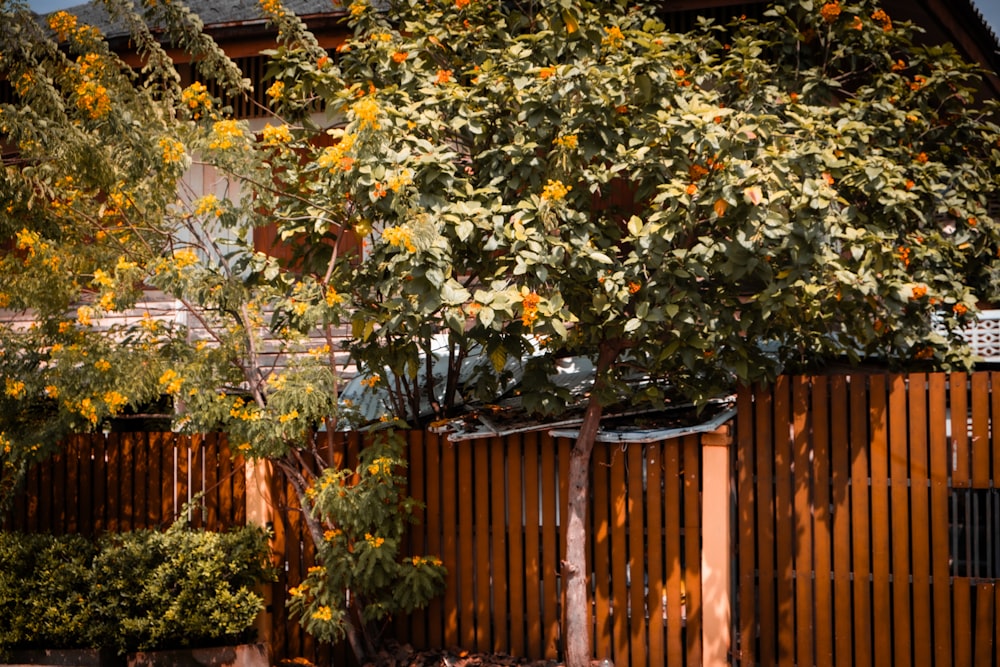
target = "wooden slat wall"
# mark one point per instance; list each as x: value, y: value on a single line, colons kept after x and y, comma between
x: 127, y: 481
x: 844, y: 544
x: 504, y: 590
x: 493, y: 512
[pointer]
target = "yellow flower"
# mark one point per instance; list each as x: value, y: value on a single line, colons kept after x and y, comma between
x: 567, y: 141
x: 613, y: 37
x: 84, y: 315
x: 173, y: 150
x: 93, y: 99
x: 171, y: 381
x: 226, y: 134
x: 555, y: 190
x: 276, y: 136
x: 102, y: 365
x: 358, y: 8
x: 399, y: 237
x: 276, y: 90
x: 115, y: 401
x: 62, y: 23
x: 443, y: 76
x: 367, y: 112
x: 13, y: 388
x: 323, y: 613
x: 196, y: 98
x: 373, y: 541
x: 206, y: 205
x: 287, y: 417
x: 52, y: 391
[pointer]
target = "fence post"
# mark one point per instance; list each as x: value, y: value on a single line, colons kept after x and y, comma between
x: 260, y: 512
x: 716, y: 551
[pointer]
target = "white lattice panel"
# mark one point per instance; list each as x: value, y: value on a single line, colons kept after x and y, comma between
x: 984, y: 336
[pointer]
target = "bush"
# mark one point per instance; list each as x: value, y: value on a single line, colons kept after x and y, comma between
x: 131, y: 591
x: 44, y: 585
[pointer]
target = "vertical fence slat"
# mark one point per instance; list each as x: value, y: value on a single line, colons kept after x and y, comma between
x: 860, y: 516
x: 481, y: 540
x: 920, y: 516
x: 985, y: 612
x: 502, y: 578
x: 746, y: 512
x: 672, y: 503
x: 962, y: 594
x: 564, y: 448
x: 515, y: 546
x: 637, y: 557
x: 899, y: 502
x: 959, y: 399
x: 532, y: 545
x: 450, y: 502
x: 434, y: 518
x: 464, y: 554
x: 601, y: 532
x: 619, y: 561
x: 840, y: 471
x: 692, y: 549
x: 822, y: 521
x: 768, y: 619
x: 58, y: 464
x: 784, y: 538
x: 654, y: 551
x: 804, y: 601
x: 980, y: 459
x: 940, y: 528
x: 881, y: 537
x: 550, y: 538
x: 418, y: 534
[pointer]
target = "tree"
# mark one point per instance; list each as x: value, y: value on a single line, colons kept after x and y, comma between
x: 530, y: 182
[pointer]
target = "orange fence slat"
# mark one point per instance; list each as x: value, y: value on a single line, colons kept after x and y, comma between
x: 654, y: 552
x: 600, y: 542
x: 692, y: 549
x: 860, y: 521
x: 802, y: 508
x: 483, y: 568
x: 822, y: 522
x: 534, y: 640
x: 840, y: 471
x: 745, y: 516
x: 636, y: 557
x: 765, y: 528
x: 881, y: 536
x: 899, y: 503
x: 920, y: 515
x: 619, y: 561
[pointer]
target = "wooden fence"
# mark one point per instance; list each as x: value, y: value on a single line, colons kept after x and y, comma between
x: 126, y: 481
x: 493, y: 513
x: 868, y: 522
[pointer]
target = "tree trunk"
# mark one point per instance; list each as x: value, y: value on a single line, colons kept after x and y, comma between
x: 574, y: 567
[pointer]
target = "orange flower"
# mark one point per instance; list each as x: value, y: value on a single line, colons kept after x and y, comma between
x: 399, y: 56
x: 857, y: 25
x: 462, y: 4
x: 696, y: 171
x: 919, y: 291
x: 830, y: 12
x: 972, y: 221
x: 960, y: 309
x: 922, y: 158
x: 881, y: 17
x: 691, y: 189
x: 827, y: 178
x: 720, y: 207
x: 546, y: 72
x: 323, y: 62
x: 898, y: 66
x: 443, y: 76
x: 379, y: 190
x: 633, y: 287
x: 909, y: 184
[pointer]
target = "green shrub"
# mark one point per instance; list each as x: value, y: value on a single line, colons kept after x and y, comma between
x: 131, y: 591
x: 44, y: 585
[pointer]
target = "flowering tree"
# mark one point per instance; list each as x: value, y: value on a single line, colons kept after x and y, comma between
x: 526, y: 182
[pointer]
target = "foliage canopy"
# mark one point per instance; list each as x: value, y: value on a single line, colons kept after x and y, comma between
x: 468, y: 193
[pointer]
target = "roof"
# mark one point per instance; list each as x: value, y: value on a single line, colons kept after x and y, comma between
x: 213, y: 14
